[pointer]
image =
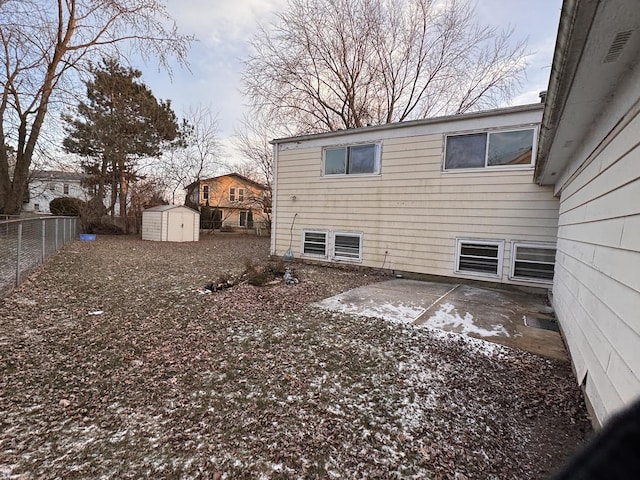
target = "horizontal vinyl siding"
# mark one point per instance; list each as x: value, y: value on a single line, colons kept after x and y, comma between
x: 412, y: 209
x: 597, y: 284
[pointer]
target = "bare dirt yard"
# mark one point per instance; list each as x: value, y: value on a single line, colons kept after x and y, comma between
x: 114, y: 366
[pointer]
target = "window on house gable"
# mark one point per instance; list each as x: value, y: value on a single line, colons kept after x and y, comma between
x: 232, y: 194
x: 205, y: 192
x: 532, y: 261
x: 352, y: 160
x: 480, y: 257
x: 314, y: 243
x: 241, y: 194
x: 490, y: 149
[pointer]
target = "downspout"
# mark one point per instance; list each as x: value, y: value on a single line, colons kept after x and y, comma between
x: 274, y: 197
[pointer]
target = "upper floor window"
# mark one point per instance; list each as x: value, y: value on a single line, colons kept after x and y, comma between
x: 352, y: 159
x: 490, y: 149
x: 205, y: 192
x: 65, y: 188
x: 232, y: 194
x: 241, y: 194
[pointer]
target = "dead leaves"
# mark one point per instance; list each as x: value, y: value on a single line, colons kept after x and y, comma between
x: 251, y: 382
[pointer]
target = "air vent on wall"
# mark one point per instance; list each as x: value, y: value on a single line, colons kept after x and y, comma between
x: 615, y: 50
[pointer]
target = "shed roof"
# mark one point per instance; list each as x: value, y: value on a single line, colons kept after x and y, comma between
x: 163, y: 208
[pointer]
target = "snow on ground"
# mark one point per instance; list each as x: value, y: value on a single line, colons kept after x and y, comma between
x: 393, y: 312
x: 254, y: 382
x: 447, y: 318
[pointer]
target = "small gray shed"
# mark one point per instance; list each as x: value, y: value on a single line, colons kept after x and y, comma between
x: 171, y: 223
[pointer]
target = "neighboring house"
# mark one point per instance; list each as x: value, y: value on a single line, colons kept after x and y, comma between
x: 450, y: 196
x: 236, y: 200
x: 589, y: 152
x: 45, y: 185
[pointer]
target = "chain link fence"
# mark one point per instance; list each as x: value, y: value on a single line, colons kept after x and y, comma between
x: 27, y: 243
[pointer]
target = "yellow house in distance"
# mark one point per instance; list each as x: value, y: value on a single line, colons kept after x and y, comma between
x: 235, y: 201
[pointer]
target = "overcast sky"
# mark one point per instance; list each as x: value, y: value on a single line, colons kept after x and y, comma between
x: 223, y: 28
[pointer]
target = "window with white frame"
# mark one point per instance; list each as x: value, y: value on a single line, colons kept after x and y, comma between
x: 65, y: 188
x: 205, y: 192
x: 479, y: 257
x: 531, y: 261
x: 352, y: 159
x: 314, y: 243
x: 507, y: 148
x: 347, y: 246
x: 232, y: 194
x: 241, y: 194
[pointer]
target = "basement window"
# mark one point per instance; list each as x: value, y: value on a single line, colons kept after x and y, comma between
x: 314, y: 243
x: 533, y: 262
x: 479, y: 257
x: 347, y: 246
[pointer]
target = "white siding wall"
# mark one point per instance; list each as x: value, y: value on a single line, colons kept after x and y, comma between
x: 151, y: 225
x: 597, y: 277
x: 412, y: 210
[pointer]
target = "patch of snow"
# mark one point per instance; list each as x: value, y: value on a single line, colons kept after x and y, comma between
x: 399, y: 313
x: 448, y: 318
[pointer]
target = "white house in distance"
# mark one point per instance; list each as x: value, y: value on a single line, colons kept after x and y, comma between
x: 589, y: 152
x: 45, y: 185
x: 492, y: 195
x: 451, y: 196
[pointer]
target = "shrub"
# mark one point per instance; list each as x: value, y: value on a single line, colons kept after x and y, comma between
x: 67, y: 206
x: 104, y: 227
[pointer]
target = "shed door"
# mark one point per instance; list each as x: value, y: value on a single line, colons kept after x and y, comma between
x: 180, y: 227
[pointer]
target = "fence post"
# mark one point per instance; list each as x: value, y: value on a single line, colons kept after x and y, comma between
x: 19, y: 248
x: 44, y: 239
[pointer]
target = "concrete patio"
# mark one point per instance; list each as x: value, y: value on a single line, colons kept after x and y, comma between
x: 493, y: 315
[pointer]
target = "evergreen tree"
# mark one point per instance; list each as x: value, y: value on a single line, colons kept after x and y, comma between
x: 120, y: 123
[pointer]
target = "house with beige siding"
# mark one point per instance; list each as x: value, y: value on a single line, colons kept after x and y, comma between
x: 237, y: 201
x: 589, y: 153
x: 451, y: 197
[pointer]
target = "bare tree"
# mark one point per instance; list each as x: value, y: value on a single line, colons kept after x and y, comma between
x: 199, y: 156
x: 251, y: 140
x: 334, y: 64
x: 45, y: 45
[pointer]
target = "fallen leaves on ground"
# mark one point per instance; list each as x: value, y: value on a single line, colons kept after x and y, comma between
x: 255, y: 382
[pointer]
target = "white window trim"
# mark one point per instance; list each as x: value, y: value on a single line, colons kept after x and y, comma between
x: 512, y: 270
x: 479, y: 241
x: 326, y: 243
x: 235, y: 194
x: 492, y: 168
x: 346, y: 234
x: 378, y: 157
